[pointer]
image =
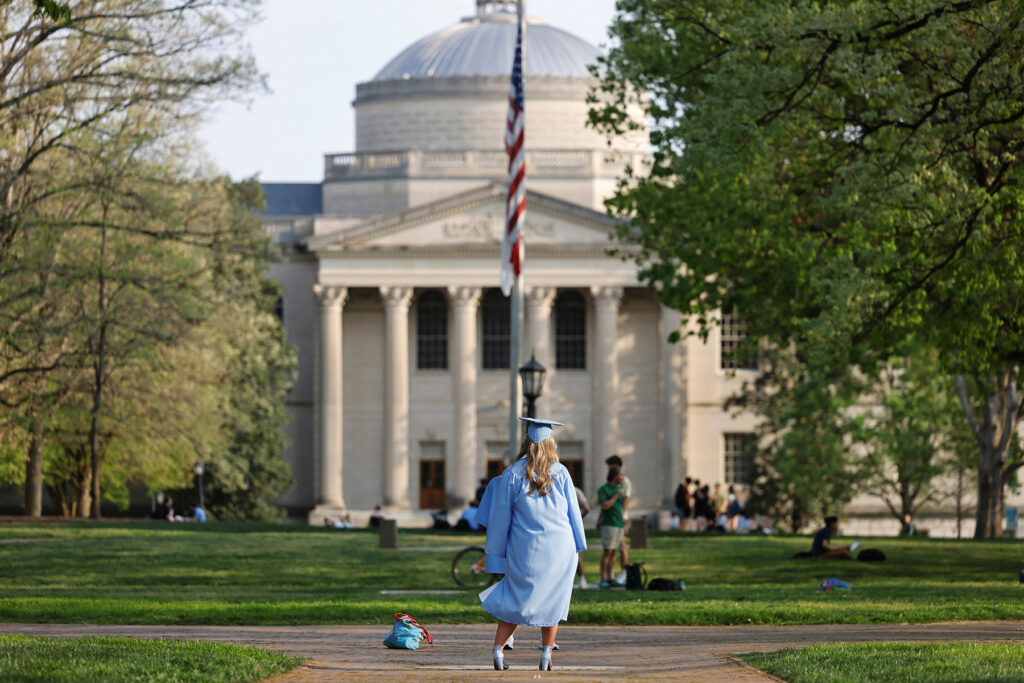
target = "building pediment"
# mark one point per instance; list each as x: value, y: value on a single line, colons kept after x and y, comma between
x: 472, y: 219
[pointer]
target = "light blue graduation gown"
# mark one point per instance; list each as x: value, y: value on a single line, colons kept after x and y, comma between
x: 532, y: 540
x: 483, y: 511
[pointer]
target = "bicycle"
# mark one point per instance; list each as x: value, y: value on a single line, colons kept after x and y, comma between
x: 468, y: 568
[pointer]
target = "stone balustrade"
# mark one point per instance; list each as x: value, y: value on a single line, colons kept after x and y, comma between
x: 473, y: 163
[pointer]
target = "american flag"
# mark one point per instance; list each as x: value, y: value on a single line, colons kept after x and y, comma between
x: 515, y: 208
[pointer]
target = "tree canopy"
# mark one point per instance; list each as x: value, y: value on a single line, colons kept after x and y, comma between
x: 137, y: 331
x: 844, y: 174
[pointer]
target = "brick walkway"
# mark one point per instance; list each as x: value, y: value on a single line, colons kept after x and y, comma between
x: 589, y: 653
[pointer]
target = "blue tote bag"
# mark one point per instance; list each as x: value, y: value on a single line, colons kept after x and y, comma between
x: 406, y: 634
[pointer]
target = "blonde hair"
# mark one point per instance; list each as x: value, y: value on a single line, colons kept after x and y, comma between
x: 539, y: 459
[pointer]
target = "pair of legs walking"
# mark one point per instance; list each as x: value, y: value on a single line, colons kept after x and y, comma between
x: 505, y: 631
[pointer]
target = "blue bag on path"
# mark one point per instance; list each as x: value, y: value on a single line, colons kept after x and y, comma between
x: 406, y: 634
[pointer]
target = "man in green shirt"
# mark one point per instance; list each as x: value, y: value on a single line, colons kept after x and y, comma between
x: 610, y: 498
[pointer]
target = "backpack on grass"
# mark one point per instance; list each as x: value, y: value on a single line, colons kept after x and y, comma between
x: 662, y: 584
x: 871, y: 555
x: 636, y: 576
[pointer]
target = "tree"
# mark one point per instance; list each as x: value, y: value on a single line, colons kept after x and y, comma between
x: 804, y: 462
x: 259, y: 367
x: 73, y: 74
x: 912, y: 434
x: 61, y: 79
x: 847, y: 174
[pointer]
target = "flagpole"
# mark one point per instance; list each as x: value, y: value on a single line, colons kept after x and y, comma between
x: 516, y: 306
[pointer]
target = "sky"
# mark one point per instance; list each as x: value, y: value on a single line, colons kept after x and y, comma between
x: 313, y: 53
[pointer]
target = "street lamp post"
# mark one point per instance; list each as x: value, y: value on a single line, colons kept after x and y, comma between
x: 199, y: 469
x: 532, y: 374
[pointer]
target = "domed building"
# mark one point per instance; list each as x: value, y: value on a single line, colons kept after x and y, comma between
x: 390, y: 268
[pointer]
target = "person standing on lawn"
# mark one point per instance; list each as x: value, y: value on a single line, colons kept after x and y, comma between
x: 581, y: 577
x: 610, y: 498
x: 534, y: 533
x: 684, y: 504
x: 627, y: 492
x: 718, y: 501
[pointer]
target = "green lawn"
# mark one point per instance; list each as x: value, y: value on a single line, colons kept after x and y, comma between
x: 271, y: 574
x: 26, y: 658
x: 907, y: 663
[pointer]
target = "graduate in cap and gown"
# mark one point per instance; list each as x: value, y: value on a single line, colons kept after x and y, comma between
x: 534, y: 531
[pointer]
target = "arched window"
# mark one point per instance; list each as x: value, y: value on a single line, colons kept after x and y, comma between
x: 570, y: 331
x: 496, y: 335
x: 431, y: 331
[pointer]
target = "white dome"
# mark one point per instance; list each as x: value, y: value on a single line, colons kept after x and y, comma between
x: 484, y: 46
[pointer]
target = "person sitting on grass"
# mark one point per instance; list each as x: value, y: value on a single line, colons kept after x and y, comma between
x: 821, y: 546
x: 467, y: 521
x: 198, y: 514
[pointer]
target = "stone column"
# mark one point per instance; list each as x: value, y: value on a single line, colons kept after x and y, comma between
x: 673, y: 405
x: 396, y: 395
x: 464, y: 471
x: 606, y: 381
x: 538, y: 322
x: 329, y: 470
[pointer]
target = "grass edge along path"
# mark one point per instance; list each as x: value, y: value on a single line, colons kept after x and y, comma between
x: 904, y: 662
x: 232, y: 574
x: 34, y: 658
x: 644, y: 610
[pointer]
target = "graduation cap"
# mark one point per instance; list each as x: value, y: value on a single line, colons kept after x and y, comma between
x: 538, y: 430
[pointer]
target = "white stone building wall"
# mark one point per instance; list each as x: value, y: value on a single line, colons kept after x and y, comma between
x: 446, y: 123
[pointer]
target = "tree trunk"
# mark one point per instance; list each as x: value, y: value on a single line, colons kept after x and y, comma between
x: 959, y: 499
x: 994, y: 432
x: 94, y: 455
x: 989, y: 515
x: 99, y: 380
x: 84, y: 493
x: 34, y: 472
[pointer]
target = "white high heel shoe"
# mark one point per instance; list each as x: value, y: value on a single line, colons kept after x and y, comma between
x: 499, y: 659
x: 545, y: 659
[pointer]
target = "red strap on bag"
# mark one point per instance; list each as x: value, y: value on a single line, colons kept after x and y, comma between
x: 412, y: 622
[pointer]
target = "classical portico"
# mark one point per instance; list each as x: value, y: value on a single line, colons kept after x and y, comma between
x: 390, y: 268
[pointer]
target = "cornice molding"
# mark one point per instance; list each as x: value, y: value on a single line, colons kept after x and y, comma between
x: 389, y: 224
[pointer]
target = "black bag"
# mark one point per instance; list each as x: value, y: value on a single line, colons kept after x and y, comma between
x: 636, y: 576
x: 871, y: 555
x: 661, y: 584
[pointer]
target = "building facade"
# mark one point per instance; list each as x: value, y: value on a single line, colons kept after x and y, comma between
x: 390, y: 271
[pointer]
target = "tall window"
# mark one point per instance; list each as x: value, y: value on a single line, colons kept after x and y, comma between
x: 431, y: 331
x: 570, y: 331
x: 734, y: 334
x: 497, y: 458
x: 495, y: 312
x: 739, y: 458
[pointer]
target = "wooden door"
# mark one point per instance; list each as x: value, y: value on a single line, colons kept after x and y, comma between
x: 575, y: 467
x: 495, y: 466
x: 432, y: 484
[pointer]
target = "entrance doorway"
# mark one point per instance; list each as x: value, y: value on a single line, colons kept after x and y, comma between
x: 432, y: 484
x: 495, y: 467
